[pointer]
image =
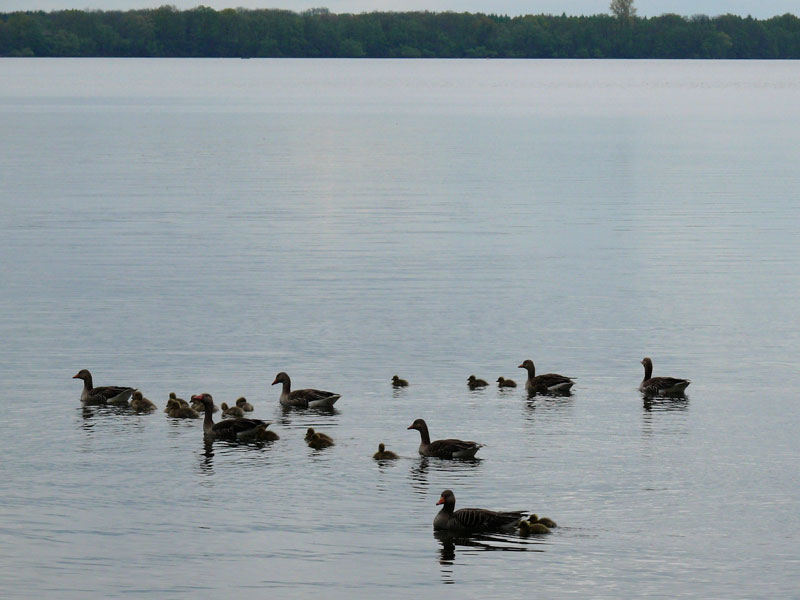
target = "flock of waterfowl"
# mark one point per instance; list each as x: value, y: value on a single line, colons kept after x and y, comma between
x: 235, y: 426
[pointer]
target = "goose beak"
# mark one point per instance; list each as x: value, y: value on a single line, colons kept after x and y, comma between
x: 76, y: 376
x: 410, y: 427
x: 441, y: 501
x: 276, y: 381
x: 198, y: 397
x: 520, y: 367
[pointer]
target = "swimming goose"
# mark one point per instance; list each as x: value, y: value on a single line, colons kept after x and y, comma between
x: 318, y: 442
x: 443, y: 448
x: 549, y: 382
x: 141, y: 404
x: 475, y: 383
x: 308, y: 398
x: 532, y: 527
x: 231, y: 429
x: 231, y: 411
x: 660, y: 386
x: 474, y: 520
x: 102, y: 395
x: 503, y: 382
x: 176, y: 410
x: 180, y: 401
x: 310, y: 433
x: 244, y: 404
x: 397, y: 382
x: 384, y: 454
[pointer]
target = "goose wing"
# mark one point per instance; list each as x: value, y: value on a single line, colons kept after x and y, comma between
x: 447, y: 448
x: 109, y: 393
x: 656, y: 385
x: 480, y: 519
x: 309, y: 396
x: 235, y: 427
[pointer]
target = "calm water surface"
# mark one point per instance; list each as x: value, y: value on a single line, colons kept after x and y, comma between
x: 200, y: 225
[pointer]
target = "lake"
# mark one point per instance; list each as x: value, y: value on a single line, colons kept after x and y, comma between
x: 200, y: 225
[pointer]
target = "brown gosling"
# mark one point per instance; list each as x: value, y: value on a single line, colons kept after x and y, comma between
x: 141, y: 404
x: 310, y: 433
x: 244, y: 404
x: 532, y: 528
x: 475, y: 383
x: 397, y: 382
x: 262, y: 434
x: 318, y: 442
x: 176, y: 411
x: 384, y: 454
x: 231, y: 411
x: 503, y: 382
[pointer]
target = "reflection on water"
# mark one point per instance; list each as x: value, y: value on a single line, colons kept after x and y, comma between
x: 665, y: 404
x: 207, y: 457
x: 480, y: 543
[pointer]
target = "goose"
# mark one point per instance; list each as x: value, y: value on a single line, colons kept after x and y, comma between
x: 262, y: 434
x: 310, y: 433
x: 176, y: 410
x: 308, y: 398
x: 473, y: 520
x: 660, y: 386
x: 533, y: 527
x: 503, y: 382
x: 180, y: 401
x: 231, y: 411
x: 244, y: 404
x: 397, y: 382
x: 475, y: 383
x: 200, y: 407
x: 318, y: 442
x: 93, y: 396
x: 443, y: 448
x: 384, y: 454
x: 231, y: 429
x: 549, y: 382
x: 141, y: 404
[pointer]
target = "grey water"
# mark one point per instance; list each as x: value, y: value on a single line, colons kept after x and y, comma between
x: 199, y: 225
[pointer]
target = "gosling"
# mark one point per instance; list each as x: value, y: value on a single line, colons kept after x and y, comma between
x: 397, y: 382
x: 503, y: 382
x: 384, y: 454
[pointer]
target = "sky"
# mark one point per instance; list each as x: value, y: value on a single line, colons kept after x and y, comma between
x: 760, y: 9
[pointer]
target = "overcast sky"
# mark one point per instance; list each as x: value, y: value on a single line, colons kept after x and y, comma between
x: 759, y: 9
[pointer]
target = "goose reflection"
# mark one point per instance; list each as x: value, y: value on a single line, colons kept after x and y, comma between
x: 478, y: 543
x: 207, y: 457
x: 665, y: 404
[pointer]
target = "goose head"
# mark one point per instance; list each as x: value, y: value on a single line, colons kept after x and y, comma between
x: 281, y: 378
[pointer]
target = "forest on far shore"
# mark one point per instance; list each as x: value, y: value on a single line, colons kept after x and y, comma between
x: 318, y: 33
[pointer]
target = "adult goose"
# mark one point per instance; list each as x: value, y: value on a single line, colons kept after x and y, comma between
x: 660, y: 386
x: 503, y: 382
x: 308, y: 398
x: 95, y: 396
x: 443, y: 448
x: 474, y: 383
x: 474, y: 520
x: 230, y: 429
x: 547, y: 383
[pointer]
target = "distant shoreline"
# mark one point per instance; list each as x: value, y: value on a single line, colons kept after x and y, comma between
x: 241, y: 33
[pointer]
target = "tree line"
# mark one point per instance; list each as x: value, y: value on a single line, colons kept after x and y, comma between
x: 318, y: 33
